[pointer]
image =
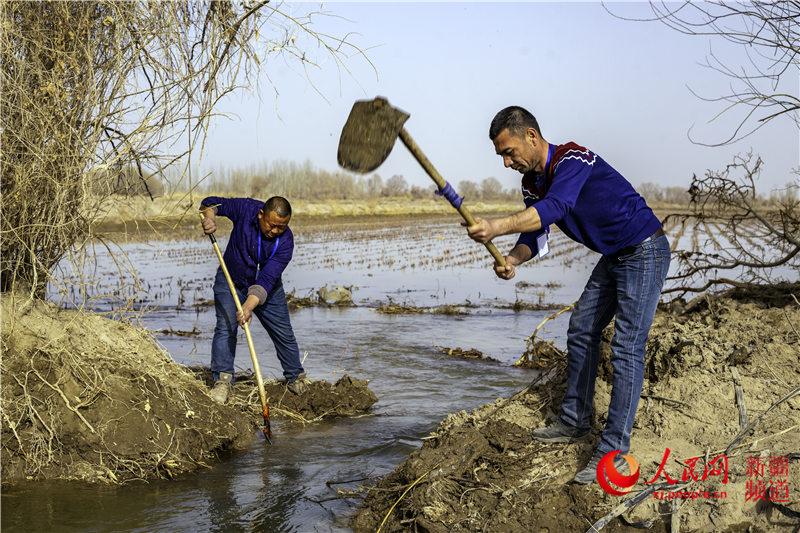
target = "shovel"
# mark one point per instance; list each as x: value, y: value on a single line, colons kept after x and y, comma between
x: 367, y: 139
x: 256, y: 369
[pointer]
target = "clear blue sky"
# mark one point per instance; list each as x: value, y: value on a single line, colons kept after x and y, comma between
x: 619, y: 88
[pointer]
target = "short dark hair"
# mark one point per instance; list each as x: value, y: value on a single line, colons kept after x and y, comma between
x: 515, y: 119
x: 278, y: 205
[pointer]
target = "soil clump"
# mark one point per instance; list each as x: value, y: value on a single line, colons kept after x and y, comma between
x: 481, y: 470
x: 318, y: 400
x: 471, y: 353
x: 93, y: 399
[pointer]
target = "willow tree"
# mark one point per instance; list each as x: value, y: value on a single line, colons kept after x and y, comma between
x: 92, y: 88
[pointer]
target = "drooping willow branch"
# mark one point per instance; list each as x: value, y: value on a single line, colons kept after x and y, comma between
x: 100, y: 99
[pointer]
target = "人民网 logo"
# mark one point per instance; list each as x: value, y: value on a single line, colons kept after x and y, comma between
x: 608, y: 477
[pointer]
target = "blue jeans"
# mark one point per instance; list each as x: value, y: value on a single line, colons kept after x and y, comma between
x: 273, y: 315
x: 629, y: 287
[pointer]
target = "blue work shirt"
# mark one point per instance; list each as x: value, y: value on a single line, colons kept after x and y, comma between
x: 588, y: 200
x: 242, y: 254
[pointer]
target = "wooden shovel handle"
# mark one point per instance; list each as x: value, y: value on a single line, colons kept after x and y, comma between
x: 440, y: 182
x: 256, y: 369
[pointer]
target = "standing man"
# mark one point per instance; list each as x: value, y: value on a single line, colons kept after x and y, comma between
x: 593, y: 204
x: 259, y: 248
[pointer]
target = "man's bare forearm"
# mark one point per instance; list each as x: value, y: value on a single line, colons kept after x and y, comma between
x: 522, y: 222
x: 519, y: 254
x: 251, y: 302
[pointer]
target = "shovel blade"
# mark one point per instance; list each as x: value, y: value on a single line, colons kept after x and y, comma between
x: 369, y: 134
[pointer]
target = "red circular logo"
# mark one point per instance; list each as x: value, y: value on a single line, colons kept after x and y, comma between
x: 607, y: 474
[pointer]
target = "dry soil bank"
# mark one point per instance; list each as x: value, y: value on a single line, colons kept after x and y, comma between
x: 89, y: 398
x: 481, y: 471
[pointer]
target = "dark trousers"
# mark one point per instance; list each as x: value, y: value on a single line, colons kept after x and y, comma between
x: 273, y: 315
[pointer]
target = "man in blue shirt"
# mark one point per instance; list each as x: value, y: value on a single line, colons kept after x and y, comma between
x: 260, y: 246
x: 573, y: 188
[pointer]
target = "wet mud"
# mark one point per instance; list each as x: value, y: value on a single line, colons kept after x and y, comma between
x: 334, y: 296
x: 343, y: 297
x: 317, y: 399
x: 392, y: 308
x: 93, y: 399
x: 88, y: 398
x: 722, y: 379
x: 471, y: 353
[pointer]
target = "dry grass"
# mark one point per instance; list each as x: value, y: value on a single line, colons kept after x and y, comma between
x: 84, y: 397
x: 99, y: 97
x: 177, y: 209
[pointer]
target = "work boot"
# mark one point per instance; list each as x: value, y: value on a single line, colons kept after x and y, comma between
x: 559, y: 432
x: 589, y: 472
x: 297, y: 386
x: 222, y: 388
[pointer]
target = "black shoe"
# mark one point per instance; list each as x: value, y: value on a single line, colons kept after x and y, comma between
x: 559, y: 432
x: 589, y: 472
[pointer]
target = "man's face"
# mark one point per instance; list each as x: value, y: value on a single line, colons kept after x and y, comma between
x: 271, y: 224
x: 518, y: 152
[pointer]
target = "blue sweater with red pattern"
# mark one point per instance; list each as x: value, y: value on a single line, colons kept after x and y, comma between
x: 588, y: 200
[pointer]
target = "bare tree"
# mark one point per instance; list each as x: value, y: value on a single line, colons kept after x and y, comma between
x: 101, y: 86
x: 769, y: 35
x: 652, y: 192
x: 492, y: 189
x: 676, y: 195
x: 746, y: 238
x: 375, y: 185
x: 395, y: 186
x: 469, y: 190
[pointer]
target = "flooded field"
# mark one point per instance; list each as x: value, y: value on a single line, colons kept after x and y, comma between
x: 443, y: 294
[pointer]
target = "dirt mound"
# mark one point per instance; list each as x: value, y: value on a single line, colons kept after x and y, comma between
x: 88, y: 398
x: 347, y: 397
x: 85, y: 397
x: 481, y: 471
x: 318, y: 400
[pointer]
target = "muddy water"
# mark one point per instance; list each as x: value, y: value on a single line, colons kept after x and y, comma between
x: 294, y: 484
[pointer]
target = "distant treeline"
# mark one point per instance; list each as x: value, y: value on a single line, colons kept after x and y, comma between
x: 304, y: 181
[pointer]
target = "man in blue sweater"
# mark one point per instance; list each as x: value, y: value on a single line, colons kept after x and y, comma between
x: 573, y: 188
x: 260, y: 246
